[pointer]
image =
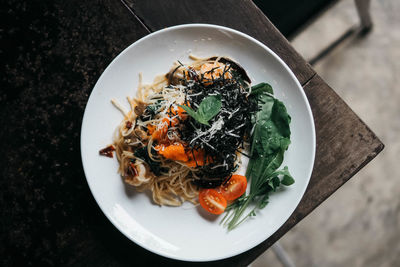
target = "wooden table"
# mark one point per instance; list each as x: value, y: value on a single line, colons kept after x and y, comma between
x: 53, y: 53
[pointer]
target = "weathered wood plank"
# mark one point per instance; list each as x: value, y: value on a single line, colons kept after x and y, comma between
x: 242, y: 15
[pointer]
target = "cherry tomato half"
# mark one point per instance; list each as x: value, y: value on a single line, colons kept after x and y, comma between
x: 212, y: 201
x: 234, y: 187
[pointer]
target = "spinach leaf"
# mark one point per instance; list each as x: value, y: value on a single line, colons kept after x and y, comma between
x: 281, y: 118
x: 208, y: 109
x: 261, y: 88
x: 266, y: 103
x: 262, y: 117
x: 270, y: 139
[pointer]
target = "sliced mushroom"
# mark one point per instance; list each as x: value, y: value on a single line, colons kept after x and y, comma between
x: 141, y: 135
x: 140, y: 107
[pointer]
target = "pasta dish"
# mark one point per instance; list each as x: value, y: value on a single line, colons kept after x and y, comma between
x: 185, y: 133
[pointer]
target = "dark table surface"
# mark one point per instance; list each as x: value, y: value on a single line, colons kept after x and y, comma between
x: 52, y: 54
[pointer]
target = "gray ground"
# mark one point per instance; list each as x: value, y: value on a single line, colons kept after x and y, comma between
x: 360, y: 224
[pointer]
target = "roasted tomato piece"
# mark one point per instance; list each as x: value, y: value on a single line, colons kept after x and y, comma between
x: 234, y: 187
x: 212, y: 201
x: 108, y: 151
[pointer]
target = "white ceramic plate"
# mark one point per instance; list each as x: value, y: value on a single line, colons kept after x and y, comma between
x: 186, y: 232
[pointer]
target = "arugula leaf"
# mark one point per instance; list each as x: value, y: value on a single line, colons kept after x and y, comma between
x: 263, y: 201
x: 274, y: 183
x: 287, y: 177
x: 273, y: 180
x: 208, y: 109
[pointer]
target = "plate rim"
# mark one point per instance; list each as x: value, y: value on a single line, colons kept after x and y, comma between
x: 282, y: 63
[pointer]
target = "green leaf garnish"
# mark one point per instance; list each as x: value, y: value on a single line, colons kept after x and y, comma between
x: 208, y: 109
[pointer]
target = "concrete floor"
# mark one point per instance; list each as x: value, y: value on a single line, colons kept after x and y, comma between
x: 360, y: 224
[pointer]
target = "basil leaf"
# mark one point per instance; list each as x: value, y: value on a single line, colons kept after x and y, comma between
x: 208, y: 109
x: 190, y: 111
